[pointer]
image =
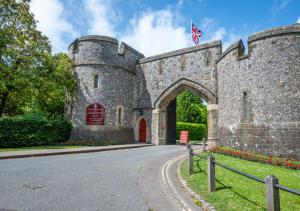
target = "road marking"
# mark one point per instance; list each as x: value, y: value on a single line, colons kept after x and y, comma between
x: 167, y: 181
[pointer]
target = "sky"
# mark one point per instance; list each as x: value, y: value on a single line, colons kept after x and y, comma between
x: 158, y: 26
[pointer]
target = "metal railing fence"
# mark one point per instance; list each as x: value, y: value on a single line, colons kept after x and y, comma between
x: 271, y: 182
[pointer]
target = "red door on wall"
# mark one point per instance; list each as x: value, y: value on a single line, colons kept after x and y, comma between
x: 143, y: 130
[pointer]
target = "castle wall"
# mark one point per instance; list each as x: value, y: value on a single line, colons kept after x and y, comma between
x: 253, y: 100
x: 161, y: 78
x: 160, y: 72
x: 115, y: 68
x: 267, y: 119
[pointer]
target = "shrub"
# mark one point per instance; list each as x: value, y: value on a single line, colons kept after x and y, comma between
x: 276, y: 161
x: 33, y: 130
x: 196, y: 131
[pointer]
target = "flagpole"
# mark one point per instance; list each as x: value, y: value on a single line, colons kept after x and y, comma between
x: 192, y: 30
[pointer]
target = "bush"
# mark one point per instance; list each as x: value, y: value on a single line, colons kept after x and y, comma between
x: 33, y: 130
x: 196, y: 131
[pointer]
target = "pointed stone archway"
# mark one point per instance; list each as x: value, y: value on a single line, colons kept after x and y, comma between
x: 161, y: 112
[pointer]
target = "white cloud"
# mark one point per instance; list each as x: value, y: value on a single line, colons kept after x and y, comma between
x: 211, y: 30
x: 279, y: 5
x: 51, y: 22
x: 104, y: 17
x: 156, y: 32
x: 298, y: 21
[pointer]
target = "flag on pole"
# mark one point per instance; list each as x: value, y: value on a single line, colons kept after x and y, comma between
x: 196, y: 33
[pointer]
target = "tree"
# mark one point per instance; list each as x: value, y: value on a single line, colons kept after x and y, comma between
x: 190, y: 108
x: 59, y: 84
x: 24, y: 51
x: 31, y: 78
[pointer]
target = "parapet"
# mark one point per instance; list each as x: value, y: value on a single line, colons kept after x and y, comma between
x: 203, y: 46
x: 263, y: 36
x: 293, y: 29
x: 104, y: 51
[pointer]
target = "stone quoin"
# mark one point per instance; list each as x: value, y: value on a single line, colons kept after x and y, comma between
x: 253, y: 99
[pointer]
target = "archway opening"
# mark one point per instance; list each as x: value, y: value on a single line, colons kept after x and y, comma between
x: 163, y: 114
x: 188, y: 112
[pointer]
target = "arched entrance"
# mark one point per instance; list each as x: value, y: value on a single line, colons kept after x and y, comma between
x: 164, y: 121
x: 142, y: 131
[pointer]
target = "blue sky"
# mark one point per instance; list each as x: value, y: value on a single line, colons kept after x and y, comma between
x: 154, y: 27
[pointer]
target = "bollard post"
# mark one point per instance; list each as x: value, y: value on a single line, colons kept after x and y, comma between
x: 211, y: 173
x: 272, y: 193
x: 204, y: 145
x: 190, y: 158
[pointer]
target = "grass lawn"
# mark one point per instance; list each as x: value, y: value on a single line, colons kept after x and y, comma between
x: 236, y: 192
x: 38, y: 148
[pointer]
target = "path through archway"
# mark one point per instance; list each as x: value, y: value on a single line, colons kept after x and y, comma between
x: 164, y: 114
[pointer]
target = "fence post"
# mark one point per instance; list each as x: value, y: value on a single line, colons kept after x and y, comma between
x: 211, y: 173
x: 204, y: 145
x: 272, y: 193
x: 190, y: 158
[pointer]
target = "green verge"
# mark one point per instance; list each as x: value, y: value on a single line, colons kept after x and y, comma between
x: 38, y: 148
x: 236, y: 192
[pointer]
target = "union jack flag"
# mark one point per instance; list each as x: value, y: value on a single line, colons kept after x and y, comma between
x: 196, y: 33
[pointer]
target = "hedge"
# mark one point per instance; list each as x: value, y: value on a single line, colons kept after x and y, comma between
x: 196, y: 131
x: 25, y: 131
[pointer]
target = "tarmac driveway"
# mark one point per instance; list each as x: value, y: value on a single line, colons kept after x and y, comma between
x: 93, y: 181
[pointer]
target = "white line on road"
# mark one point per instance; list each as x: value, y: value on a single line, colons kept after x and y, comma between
x: 168, y: 182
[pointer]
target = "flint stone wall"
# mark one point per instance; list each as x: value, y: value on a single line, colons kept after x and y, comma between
x: 99, y: 55
x: 266, y: 122
x: 270, y: 75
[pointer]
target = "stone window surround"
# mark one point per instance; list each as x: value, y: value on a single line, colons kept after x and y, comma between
x: 249, y: 115
x: 96, y: 81
x: 121, y: 123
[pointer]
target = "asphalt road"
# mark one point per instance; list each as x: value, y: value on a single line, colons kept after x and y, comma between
x: 93, y: 181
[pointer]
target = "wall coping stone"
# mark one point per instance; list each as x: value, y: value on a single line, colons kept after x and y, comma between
x: 230, y: 48
x: 124, y: 46
x: 95, y: 38
x: 295, y: 28
x: 181, y: 51
x: 121, y: 49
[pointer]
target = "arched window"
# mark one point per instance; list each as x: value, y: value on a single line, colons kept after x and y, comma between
x: 96, y: 81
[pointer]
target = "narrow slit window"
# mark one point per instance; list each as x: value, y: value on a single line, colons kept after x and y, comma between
x: 119, y: 116
x: 245, y: 105
x: 96, y: 81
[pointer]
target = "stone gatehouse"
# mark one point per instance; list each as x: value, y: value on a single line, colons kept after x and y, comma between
x: 253, y: 99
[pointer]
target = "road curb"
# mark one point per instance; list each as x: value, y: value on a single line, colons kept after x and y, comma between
x: 205, y: 205
x: 4, y: 157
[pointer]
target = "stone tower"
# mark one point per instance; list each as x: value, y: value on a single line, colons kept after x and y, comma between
x: 106, y: 76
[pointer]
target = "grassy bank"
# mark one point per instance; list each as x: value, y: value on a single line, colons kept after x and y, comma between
x: 236, y: 192
x: 37, y: 148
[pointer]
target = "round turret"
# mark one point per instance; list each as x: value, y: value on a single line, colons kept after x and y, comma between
x: 103, y: 106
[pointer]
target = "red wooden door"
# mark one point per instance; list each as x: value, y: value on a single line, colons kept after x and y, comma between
x: 143, y: 130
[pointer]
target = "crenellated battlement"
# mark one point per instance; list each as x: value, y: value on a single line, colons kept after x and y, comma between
x: 104, y: 51
x: 259, y: 38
